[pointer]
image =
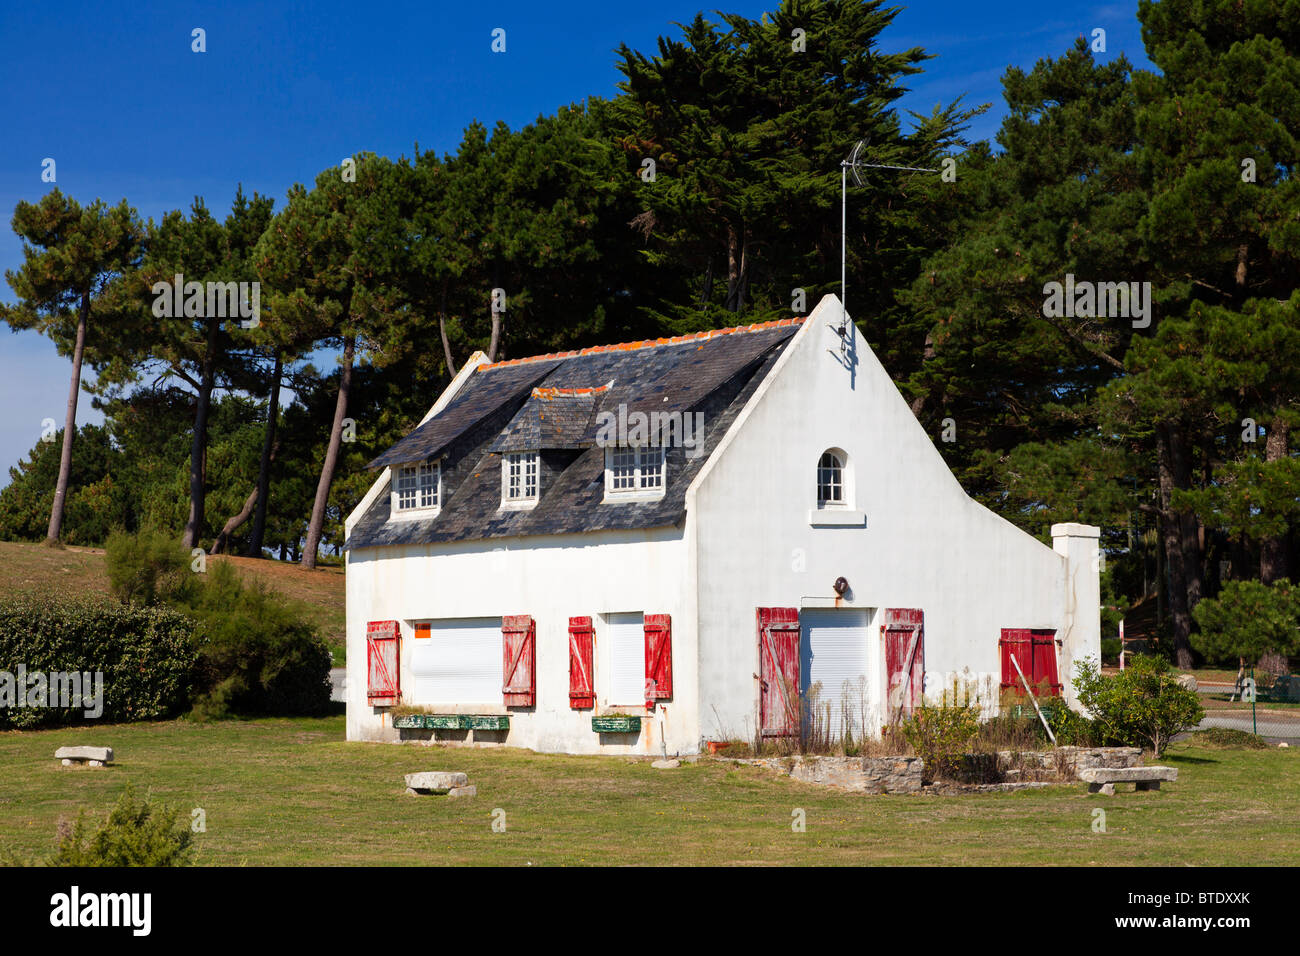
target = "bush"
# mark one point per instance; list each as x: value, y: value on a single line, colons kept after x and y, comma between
x: 146, y: 656
x: 1228, y: 738
x: 135, y: 834
x: 1070, y: 728
x: 1110, y: 649
x: 1141, y: 706
x: 148, y: 568
x: 256, y: 654
x: 941, y: 737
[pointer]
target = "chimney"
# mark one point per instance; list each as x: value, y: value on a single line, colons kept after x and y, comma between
x: 1080, y: 637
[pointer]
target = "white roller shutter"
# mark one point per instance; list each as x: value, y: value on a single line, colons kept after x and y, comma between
x: 834, y: 653
x: 626, y: 658
x: 460, y: 662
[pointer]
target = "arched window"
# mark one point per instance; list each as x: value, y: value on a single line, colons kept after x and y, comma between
x: 830, y: 481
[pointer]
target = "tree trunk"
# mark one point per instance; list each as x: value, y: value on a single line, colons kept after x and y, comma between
x: 733, y: 267
x: 317, y: 525
x: 1172, y: 542
x: 1274, y: 562
x: 264, y: 466
x: 442, y: 331
x: 69, y: 426
x: 199, y: 443
x: 234, y: 522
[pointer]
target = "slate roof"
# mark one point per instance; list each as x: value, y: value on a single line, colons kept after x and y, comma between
x: 502, y: 406
x: 554, y: 418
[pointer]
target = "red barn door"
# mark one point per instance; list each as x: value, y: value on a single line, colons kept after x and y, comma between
x: 778, y: 652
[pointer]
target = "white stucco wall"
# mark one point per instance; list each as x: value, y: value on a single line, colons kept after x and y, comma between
x: 551, y: 578
x: 925, y: 545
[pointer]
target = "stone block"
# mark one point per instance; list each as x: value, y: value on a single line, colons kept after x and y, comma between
x: 436, y: 781
x: 98, y: 756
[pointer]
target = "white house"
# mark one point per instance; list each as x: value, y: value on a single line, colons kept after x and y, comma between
x: 639, y: 548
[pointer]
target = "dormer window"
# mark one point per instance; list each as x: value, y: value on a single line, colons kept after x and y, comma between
x: 634, y: 472
x: 830, y: 481
x: 417, y: 487
x: 519, y: 479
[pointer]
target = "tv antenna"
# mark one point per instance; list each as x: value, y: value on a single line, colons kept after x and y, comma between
x: 853, y: 164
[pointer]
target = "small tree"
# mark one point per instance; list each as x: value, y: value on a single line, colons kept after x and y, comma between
x: 1248, y: 620
x: 1141, y: 706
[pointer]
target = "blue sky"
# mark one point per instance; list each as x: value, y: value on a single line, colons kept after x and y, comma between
x: 127, y: 110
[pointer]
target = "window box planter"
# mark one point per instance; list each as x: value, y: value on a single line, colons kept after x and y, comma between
x: 485, y: 722
x: 616, y: 724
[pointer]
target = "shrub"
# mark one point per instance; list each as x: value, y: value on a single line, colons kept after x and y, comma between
x: 1227, y: 737
x: 941, y: 737
x: 1070, y: 728
x: 147, y: 568
x: 1142, y: 705
x: 135, y: 834
x: 256, y: 653
x: 1110, y: 648
x: 146, y: 656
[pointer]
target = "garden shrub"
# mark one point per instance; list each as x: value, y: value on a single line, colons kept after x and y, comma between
x: 146, y: 833
x: 1227, y: 737
x: 941, y: 737
x: 256, y: 653
x: 1141, y: 706
x: 147, y: 567
x: 1070, y: 728
x: 146, y: 656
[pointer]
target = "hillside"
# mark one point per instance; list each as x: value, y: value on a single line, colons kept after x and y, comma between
x: 35, y: 569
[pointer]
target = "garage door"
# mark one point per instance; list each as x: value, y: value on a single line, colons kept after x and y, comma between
x: 626, y: 658
x: 834, y: 654
x: 459, y: 662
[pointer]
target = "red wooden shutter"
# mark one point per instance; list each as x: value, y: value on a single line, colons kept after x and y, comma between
x: 904, y: 634
x: 383, y: 662
x: 1016, y: 640
x: 582, y: 692
x: 1044, y: 680
x: 519, y: 633
x: 778, y: 651
x: 658, y: 658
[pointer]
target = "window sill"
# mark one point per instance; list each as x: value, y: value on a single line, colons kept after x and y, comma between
x: 416, y: 514
x: 631, y: 497
x: 528, y: 505
x: 836, y: 518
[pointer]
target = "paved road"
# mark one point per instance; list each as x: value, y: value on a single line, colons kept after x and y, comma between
x: 1271, y: 725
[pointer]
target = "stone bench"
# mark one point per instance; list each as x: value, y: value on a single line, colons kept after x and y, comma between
x: 1103, y: 779
x: 453, y: 784
x: 95, y: 756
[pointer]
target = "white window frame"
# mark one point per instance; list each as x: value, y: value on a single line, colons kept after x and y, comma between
x: 837, y: 478
x: 421, y: 481
x: 528, y: 464
x: 648, y: 472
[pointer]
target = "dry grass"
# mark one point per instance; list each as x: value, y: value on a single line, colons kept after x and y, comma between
x: 33, y: 569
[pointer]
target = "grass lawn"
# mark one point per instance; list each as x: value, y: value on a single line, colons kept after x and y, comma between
x: 294, y: 792
x: 36, y: 569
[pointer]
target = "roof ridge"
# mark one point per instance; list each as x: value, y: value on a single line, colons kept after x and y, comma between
x: 646, y: 343
x: 556, y: 392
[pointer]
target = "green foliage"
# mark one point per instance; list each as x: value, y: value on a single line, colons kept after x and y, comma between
x: 1070, y: 728
x: 147, y: 568
x: 97, y: 499
x: 1249, y: 619
x: 146, y: 655
x: 941, y: 736
x: 1110, y: 650
x: 1141, y: 706
x: 144, y: 833
x: 257, y: 654
x: 1229, y: 738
